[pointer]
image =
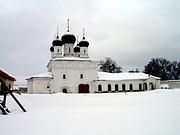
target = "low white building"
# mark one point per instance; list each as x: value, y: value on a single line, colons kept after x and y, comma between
x: 70, y: 70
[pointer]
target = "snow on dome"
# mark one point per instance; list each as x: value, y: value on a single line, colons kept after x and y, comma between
x: 123, y: 76
x: 47, y: 75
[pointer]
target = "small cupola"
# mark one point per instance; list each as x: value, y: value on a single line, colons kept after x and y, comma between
x: 57, y: 42
x: 68, y: 38
x: 83, y: 42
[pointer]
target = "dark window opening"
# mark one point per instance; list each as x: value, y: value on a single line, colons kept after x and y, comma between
x: 81, y: 76
x: 64, y: 76
x: 99, y: 87
x: 109, y: 87
x: 123, y: 87
x: 116, y: 87
x: 140, y: 86
x: 131, y: 87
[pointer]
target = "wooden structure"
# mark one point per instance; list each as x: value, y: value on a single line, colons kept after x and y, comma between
x: 6, y: 82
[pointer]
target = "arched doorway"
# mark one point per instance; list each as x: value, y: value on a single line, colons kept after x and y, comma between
x: 83, y: 88
x: 99, y: 87
x: 109, y: 87
x: 123, y: 87
x: 116, y: 87
x: 64, y: 90
x: 130, y: 87
x: 151, y: 86
x: 145, y: 86
x: 140, y: 86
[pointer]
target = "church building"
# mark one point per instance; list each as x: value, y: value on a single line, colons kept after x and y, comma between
x: 70, y: 70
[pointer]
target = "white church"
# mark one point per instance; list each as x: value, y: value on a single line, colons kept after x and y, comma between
x: 70, y: 70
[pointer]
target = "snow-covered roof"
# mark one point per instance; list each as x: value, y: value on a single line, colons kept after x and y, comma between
x: 124, y: 76
x: 72, y: 59
x: 6, y: 75
x: 43, y: 75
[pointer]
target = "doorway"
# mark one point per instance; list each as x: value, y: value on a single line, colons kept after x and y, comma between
x: 83, y: 88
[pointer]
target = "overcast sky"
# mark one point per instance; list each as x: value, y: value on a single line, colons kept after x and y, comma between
x: 129, y: 31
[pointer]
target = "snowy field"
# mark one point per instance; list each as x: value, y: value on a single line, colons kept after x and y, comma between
x: 139, y: 113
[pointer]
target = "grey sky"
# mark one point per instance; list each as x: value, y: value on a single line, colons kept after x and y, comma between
x: 129, y: 31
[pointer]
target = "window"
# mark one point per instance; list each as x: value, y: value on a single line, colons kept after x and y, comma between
x: 57, y: 50
x: 99, y: 87
x: 123, y: 87
x: 69, y: 49
x: 116, y: 87
x: 140, y: 86
x: 130, y: 86
x: 81, y: 76
x: 64, y: 76
x: 84, y: 51
x: 109, y: 87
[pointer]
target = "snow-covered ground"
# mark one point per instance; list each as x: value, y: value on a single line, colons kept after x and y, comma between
x: 139, y: 113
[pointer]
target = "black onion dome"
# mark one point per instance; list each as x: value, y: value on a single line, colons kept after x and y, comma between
x: 76, y: 49
x: 83, y: 43
x: 57, y: 42
x: 68, y: 38
x: 52, y: 49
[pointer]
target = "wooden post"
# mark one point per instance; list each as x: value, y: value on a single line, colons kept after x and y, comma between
x: 6, y: 91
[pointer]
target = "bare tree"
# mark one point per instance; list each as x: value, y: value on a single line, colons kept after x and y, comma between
x: 109, y: 65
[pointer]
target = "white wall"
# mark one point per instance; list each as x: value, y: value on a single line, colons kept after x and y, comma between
x: 30, y: 86
x: 127, y: 83
x: 172, y: 83
x: 72, y: 71
x: 38, y: 85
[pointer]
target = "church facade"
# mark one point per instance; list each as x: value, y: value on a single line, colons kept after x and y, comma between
x: 70, y: 70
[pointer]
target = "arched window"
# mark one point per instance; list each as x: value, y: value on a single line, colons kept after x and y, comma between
x: 81, y: 76
x: 123, y: 87
x: 84, y: 51
x: 109, y: 87
x: 64, y: 76
x: 130, y: 86
x: 99, y: 87
x: 116, y: 87
x: 145, y: 86
x: 140, y: 86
